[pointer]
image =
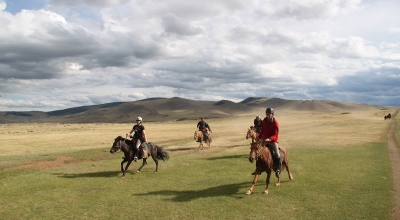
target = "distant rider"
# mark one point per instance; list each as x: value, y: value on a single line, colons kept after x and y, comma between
x: 258, y: 124
x: 139, y: 136
x: 203, y: 126
x: 269, y: 134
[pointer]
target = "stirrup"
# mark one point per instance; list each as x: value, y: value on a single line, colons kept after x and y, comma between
x: 135, y: 158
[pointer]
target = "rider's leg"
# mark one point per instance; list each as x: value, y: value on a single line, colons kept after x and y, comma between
x: 277, y: 158
x: 138, y: 142
x: 205, y: 134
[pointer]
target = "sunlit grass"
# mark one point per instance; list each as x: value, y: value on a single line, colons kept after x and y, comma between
x: 339, y: 163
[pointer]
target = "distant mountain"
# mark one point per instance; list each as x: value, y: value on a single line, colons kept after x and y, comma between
x: 168, y: 109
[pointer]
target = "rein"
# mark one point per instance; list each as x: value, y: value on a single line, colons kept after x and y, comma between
x: 120, y: 145
x: 259, y: 152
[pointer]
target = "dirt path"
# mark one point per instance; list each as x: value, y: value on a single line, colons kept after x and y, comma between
x: 394, y: 154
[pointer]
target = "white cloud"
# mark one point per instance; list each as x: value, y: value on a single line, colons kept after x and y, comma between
x: 90, y: 52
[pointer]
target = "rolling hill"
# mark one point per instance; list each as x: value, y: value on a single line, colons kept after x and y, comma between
x: 169, y: 109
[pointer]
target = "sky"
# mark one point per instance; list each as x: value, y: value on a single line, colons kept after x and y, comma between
x: 58, y: 54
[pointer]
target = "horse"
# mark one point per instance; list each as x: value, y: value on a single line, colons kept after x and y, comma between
x: 199, y: 137
x: 264, y: 162
x: 388, y: 116
x: 126, y: 146
x: 252, y: 133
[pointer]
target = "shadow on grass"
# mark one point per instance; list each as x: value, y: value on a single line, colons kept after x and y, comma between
x: 189, y: 195
x: 82, y: 175
x: 181, y: 149
x: 243, y: 156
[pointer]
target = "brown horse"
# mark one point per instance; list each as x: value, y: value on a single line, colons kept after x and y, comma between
x: 264, y: 162
x: 252, y: 133
x: 388, y: 116
x: 199, y: 137
x: 124, y: 145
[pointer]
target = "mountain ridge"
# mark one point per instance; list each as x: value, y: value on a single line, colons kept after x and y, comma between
x: 175, y: 108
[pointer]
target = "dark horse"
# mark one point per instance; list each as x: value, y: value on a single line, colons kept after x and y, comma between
x: 388, y: 116
x: 124, y: 145
x: 264, y: 162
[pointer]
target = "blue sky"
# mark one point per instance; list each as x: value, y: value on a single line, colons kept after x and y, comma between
x: 58, y: 54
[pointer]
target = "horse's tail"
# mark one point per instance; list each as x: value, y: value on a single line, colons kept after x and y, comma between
x: 162, y: 154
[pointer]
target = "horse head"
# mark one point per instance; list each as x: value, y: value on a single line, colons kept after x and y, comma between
x: 118, y: 142
x: 255, y: 151
x: 248, y: 135
x: 197, y: 135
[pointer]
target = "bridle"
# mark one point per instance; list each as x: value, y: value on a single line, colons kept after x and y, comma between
x: 258, y: 152
x: 120, y: 144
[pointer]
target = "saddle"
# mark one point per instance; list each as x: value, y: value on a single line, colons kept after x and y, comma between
x: 273, y: 153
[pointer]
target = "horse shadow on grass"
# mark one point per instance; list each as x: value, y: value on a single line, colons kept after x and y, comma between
x: 232, y: 190
x: 83, y: 175
x: 229, y: 157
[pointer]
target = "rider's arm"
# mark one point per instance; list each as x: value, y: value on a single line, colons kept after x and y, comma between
x: 144, y: 136
x: 129, y: 133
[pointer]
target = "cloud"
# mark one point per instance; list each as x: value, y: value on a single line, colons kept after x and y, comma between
x: 71, y: 53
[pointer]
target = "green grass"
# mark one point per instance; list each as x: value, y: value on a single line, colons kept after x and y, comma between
x: 344, y: 182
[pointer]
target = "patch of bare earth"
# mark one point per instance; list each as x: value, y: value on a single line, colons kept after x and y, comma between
x: 42, y: 165
x: 394, y: 154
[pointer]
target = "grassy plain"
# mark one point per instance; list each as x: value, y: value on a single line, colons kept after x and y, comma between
x: 65, y: 171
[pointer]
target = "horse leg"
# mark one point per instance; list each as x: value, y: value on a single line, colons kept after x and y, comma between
x: 201, y: 145
x: 126, y: 167
x: 267, y: 181
x: 285, y: 163
x: 253, y: 184
x: 288, y: 170
x: 144, y: 163
x: 154, y: 156
x: 122, y: 165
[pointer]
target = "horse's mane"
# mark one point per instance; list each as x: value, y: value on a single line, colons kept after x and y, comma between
x: 127, y: 141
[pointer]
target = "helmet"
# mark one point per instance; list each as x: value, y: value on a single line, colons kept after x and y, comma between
x: 269, y: 111
x: 139, y: 119
x: 257, y: 116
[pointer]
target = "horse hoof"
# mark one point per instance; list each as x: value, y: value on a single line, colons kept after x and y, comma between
x: 248, y: 192
x: 138, y: 171
x: 265, y: 192
x: 277, y: 184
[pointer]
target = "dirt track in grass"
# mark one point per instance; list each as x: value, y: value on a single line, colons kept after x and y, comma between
x: 394, y: 154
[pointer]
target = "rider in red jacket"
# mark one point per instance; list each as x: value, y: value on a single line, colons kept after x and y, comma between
x: 270, y: 136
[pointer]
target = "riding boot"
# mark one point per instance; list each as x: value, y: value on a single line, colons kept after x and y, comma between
x: 136, y: 155
x: 277, y: 165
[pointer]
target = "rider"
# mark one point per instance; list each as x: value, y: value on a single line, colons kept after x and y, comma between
x: 203, y: 126
x: 258, y: 124
x: 269, y: 134
x: 139, y: 136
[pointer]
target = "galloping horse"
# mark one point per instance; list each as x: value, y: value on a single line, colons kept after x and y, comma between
x: 252, y: 133
x: 123, y: 144
x: 199, y: 137
x: 264, y: 162
x: 388, y: 116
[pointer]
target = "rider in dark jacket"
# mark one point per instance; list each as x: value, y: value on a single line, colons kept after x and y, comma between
x: 139, y: 136
x: 203, y: 126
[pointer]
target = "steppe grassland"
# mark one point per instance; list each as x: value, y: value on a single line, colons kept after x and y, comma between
x: 298, y: 128
x: 329, y: 153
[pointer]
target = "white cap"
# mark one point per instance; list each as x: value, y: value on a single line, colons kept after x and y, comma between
x: 139, y: 119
